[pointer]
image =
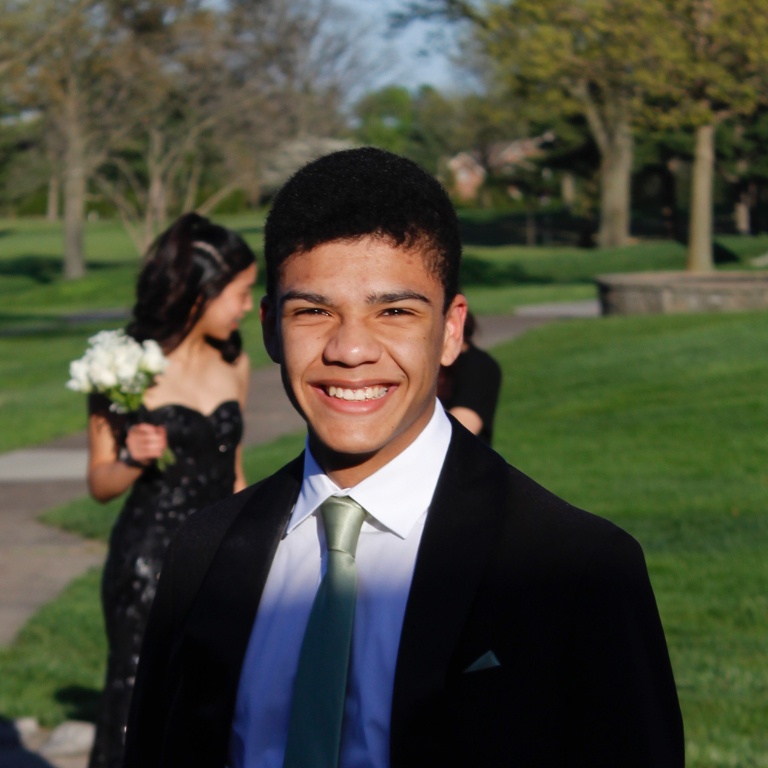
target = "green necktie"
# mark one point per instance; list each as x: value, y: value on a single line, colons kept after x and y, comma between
x: 320, y: 688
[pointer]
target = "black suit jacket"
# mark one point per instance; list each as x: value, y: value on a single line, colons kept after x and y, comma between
x: 561, y: 597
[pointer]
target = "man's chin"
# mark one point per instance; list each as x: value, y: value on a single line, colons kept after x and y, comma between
x: 334, y: 457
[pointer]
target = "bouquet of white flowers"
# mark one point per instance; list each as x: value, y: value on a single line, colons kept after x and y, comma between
x: 122, y: 369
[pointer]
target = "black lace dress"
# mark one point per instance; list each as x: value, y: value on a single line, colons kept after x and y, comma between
x: 204, y: 472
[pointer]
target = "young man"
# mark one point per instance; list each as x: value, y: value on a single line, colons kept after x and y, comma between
x: 494, y: 624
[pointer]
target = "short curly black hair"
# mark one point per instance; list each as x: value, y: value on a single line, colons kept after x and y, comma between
x: 362, y: 192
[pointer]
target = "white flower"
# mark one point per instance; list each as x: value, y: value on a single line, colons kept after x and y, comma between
x: 126, y: 363
x: 102, y: 376
x: 153, y: 360
x: 119, y: 367
x: 103, y: 340
x: 78, y: 377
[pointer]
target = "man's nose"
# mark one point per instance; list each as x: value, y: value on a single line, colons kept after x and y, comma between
x: 352, y: 343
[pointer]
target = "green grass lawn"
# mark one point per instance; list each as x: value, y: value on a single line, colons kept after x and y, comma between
x: 35, y: 406
x: 55, y: 669
x: 658, y: 423
x: 31, y: 288
x: 37, y: 340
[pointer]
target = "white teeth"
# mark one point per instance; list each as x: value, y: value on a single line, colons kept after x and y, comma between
x: 366, y: 393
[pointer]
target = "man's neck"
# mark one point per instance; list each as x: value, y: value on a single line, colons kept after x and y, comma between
x: 347, y: 470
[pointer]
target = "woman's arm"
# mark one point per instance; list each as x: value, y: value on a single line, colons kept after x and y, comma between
x: 469, y: 418
x: 108, y: 475
x: 243, y: 373
x: 240, y: 481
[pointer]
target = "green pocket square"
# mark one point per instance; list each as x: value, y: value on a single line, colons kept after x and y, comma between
x: 486, y: 661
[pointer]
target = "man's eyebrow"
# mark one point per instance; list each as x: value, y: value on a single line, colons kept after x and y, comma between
x: 391, y: 297
x: 308, y: 296
x: 394, y: 296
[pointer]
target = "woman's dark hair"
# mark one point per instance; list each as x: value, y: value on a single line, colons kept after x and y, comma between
x: 186, y: 267
x: 363, y: 192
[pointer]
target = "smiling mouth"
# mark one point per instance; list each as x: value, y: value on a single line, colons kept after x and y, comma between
x: 364, y: 393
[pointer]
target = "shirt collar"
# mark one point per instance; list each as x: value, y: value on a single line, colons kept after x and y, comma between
x: 396, y: 495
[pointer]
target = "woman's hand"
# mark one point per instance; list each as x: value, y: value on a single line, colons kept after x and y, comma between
x: 108, y: 474
x: 146, y: 442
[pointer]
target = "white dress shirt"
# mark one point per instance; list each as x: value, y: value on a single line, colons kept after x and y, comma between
x: 396, y: 499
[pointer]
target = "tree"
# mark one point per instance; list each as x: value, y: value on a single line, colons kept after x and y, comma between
x: 438, y: 125
x: 75, y: 82
x: 172, y: 105
x: 222, y: 88
x: 156, y: 167
x: 587, y: 56
x: 385, y: 119
x: 715, y: 67
x: 424, y: 125
x: 661, y: 180
x: 24, y: 169
x: 744, y: 165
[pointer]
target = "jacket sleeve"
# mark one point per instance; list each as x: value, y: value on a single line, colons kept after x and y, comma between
x: 623, y: 699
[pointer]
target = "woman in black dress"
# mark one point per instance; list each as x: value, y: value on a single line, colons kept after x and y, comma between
x: 469, y: 388
x: 192, y: 293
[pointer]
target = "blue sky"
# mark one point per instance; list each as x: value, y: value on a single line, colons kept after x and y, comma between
x: 416, y: 59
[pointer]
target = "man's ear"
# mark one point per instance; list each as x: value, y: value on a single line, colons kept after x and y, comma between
x: 269, y: 329
x: 453, y: 337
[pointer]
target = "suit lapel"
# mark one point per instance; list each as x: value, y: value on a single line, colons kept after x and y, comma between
x: 459, y: 534
x: 222, y: 616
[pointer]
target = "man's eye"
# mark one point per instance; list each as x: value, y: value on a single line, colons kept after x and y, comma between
x: 310, y: 311
x: 396, y: 311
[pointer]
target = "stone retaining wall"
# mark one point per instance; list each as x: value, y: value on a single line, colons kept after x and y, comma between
x: 681, y: 292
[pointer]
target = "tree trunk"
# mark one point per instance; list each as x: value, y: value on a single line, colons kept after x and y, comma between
x: 568, y: 190
x: 74, y: 190
x: 74, y: 222
x: 615, y: 188
x: 156, y: 212
x: 157, y: 205
x: 700, y: 257
x: 742, y: 212
x: 193, y: 186
x: 52, y: 207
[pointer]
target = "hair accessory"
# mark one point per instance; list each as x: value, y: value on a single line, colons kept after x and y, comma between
x: 210, y: 250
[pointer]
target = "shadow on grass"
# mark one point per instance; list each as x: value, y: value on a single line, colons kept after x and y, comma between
x: 480, y: 272
x: 476, y: 271
x: 42, y: 324
x: 517, y: 228
x: 47, y: 269
x: 82, y: 703
x: 40, y: 269
x: 723, y: 255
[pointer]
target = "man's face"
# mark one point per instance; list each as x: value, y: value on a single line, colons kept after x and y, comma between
x: 359, y: 330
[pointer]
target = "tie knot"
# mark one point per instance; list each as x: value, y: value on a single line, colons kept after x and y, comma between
x: 342, y: 519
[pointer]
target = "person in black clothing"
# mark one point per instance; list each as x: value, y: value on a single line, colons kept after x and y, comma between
x: 469, y: 389
x: 193, y: 291
x: 495, y: 624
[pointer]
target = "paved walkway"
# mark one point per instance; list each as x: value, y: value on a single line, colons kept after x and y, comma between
x: 37, y: 562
